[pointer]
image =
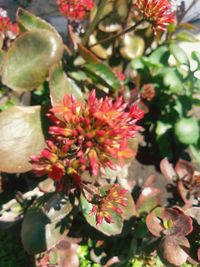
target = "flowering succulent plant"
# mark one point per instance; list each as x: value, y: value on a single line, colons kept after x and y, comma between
x: 93, y: 89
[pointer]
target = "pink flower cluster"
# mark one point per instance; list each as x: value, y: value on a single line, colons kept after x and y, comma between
x: 158, y: 12
x: 87, y: 136
x: 75, y: 9
x: 7, y: 28
x: 111, y: 201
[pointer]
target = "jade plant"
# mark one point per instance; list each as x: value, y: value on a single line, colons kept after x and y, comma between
x: 74, y: 123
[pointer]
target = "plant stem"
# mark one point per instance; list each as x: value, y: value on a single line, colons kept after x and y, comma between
x: 94, y: 22
x: 129, y: 29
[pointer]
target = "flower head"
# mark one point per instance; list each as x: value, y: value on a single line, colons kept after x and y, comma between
x: 74, y: 9
x: 148, y: 92
x: 87, y: 136
x: 99, y: 129
x: 158, y: 12
x: 7, y: 28
x: 110, y: 202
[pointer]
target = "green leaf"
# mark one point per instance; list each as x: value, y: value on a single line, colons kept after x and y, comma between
x: 162, y: 128
x: 60, y: 85
x: 105, y: 73
x: 132, y: 46
x: 171, y: 79
x: 196, y: 56
x: 2, y: 55
x: 195, y: 151
x: 137, y: 63
x: 33, y: 231
x: 30, y: 22
x: 196, y: 102
x: 41, y: 228
x: 160, y: 55
x: 27, y: 62
x: 21, y: 137
x: 149, y: 198
x: 185, y: 36
x: 106, y: 228
x: 87, y: 55
x: 130, y: 210
x: 179, y: 54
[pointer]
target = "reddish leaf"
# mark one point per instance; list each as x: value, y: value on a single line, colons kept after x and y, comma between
x: 182, y: 226
x: 150, y: 181
x: 170, y: 214
x: 153, y: 222
x: 183, y: 192
x: 184, y: 169
x: 174, y: 250
x: 167, y: 169
x: 194, y: 212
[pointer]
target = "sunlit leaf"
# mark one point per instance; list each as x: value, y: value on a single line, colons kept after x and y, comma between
x: 132, y: 46
x: 27, y: 62
x: 21, y: 137
x: 149, y: 198
x: 186, y: 36
x: 106, y: 228
x: 179, y: 54
x: 31, y: 22
x: 60, y: 85
x: 174, y: 250
x: 105, y: 73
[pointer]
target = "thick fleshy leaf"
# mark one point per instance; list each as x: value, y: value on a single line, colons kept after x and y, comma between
x: 21, y: 137
x: 183, y: 193
x: 27, y: 62
x: 10, y: 213
x: 149, y: 198
x: 31, y: 22
x: 98, y: 49
x: 106, y: 228
x: 33, y: 231
x: 87, y: 55
x: 60, y: 85
x: 41, y: 229
x: 130, y: 210
x: 179, y: 54
x: 184, y: 169
x: 105, y: 73
x: 47, y: 186
x: 167, y: 169
x: 132, y: 46
x: 153, y: 222
x: 2, y: 55
x: 186, y: 36
x: 174, y: 249
x: 173, y: 80
x: 159, y: 55
x: 110, y: 24
x: 181, y: 227
x: 194, y: 212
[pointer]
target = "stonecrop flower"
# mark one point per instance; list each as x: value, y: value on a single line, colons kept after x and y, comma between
x: 7, y: 28
x: 87, y: 137
x: 75, y: 9
x: 110, y: 202
x: 158, y: 12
